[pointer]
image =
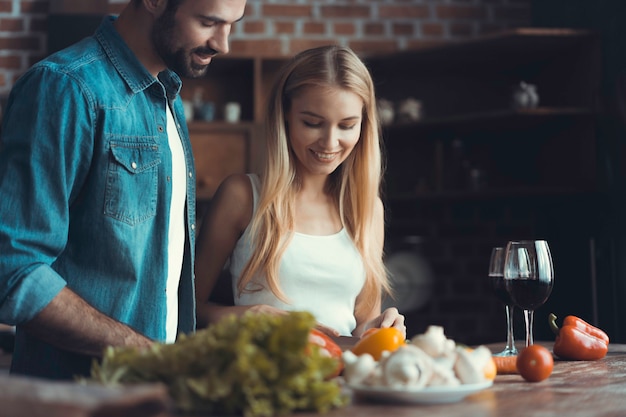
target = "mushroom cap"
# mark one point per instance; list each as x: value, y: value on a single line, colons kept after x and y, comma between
x: 470, y: 364
x: 409, y: 366
x: 357, y: 369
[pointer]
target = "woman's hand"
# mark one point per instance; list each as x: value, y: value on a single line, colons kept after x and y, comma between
x: 264, y: 309
x: 391, y: 317
x: 267, y: 309
x: 329, y: 331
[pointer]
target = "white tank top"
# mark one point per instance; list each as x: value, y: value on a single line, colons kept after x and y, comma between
x: 319, y: 274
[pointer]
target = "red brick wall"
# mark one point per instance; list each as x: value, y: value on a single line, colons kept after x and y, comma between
x: 283, y: 27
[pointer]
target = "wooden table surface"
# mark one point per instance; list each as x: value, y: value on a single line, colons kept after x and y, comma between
x: 575, y: 389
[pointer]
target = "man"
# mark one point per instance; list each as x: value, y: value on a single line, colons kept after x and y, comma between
x: 97, y: 181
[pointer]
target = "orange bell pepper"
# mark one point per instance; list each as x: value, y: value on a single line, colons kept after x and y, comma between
x: 578, y: 340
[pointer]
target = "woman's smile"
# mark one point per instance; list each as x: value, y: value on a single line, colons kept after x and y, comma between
x: 325, y: 156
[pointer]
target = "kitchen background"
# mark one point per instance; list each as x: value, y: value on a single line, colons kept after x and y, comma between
x: 469, y: 169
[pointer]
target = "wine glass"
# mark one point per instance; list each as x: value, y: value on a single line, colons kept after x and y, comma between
x: 496, y: 279
x: 529, y: 277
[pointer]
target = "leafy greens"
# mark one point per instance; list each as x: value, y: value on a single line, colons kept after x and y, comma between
x: 255, y: 365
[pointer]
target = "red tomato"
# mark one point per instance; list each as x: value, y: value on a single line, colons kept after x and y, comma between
x: 535, y: 363
x: 377, y: 341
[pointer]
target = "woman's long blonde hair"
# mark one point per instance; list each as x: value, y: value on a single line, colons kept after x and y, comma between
x: 355, y: 184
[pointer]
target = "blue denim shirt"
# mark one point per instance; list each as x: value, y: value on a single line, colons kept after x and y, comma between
x: 85, y: 188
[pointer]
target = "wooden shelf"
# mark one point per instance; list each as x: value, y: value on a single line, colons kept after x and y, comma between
x: 504, y: 49
x: 245, y: 80
x: 544, y: 193
x: 208, y: 127
x: 473, y: 81
x: 496, y: 120
x: 222, y: 148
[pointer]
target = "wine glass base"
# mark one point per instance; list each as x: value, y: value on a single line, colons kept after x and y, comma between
x: 507, y: 352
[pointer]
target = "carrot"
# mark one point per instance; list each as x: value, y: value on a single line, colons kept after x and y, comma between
x: 506, y: 364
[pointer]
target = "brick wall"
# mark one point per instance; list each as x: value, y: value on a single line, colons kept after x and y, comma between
x: 279, y: 27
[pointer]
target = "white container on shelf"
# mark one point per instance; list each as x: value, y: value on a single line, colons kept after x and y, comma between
x: 232, y: 112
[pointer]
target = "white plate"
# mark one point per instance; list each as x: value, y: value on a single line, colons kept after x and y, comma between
x: 427, y: 395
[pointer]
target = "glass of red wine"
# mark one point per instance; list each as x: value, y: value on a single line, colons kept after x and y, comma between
x: 496, y: 279
x: 529, y: 277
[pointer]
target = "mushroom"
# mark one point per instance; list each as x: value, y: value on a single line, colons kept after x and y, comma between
x: 434, y: 342
x: 470, y: 364
x: 409, y: 366
x: 443, y: 375
x: 357, y: 369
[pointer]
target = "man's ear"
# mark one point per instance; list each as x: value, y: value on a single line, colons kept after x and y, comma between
x: 155, y: 7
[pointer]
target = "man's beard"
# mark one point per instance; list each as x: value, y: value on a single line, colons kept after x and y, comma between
x: 177, y: 59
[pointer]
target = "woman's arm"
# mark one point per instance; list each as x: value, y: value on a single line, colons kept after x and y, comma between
x: 229, y: 215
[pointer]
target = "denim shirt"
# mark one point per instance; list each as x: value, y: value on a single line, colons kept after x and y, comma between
x: 85, y: 184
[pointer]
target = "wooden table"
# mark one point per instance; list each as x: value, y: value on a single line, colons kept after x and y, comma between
x: 575, y: 389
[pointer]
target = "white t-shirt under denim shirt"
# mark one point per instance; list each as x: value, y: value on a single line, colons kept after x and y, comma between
x: 319, y: 274
x: 176, y: 243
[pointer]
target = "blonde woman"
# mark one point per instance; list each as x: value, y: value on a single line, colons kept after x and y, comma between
x: 307, y: 235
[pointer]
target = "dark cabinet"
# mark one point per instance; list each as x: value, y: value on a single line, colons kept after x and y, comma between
x: 471, y: 137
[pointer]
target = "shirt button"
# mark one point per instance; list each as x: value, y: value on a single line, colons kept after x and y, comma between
x: 134, y: 165
x: 168, y: 178
x: 193, y: 227
x: 190, y: 174
x: 160, y: 129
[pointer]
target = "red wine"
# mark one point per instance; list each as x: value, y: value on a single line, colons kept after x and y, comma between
x: 499, y: 289
x: 528, y: 294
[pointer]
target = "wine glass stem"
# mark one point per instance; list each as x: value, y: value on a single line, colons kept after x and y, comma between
x: 510, y: 341
x: 528, y: 319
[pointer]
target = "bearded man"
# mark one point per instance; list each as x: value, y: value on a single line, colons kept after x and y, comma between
x: 97, y: 224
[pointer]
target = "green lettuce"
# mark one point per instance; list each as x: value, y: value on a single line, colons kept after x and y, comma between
x: 255, y: 365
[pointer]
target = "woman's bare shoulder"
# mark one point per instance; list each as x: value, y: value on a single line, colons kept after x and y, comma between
x: 234, y: 199
x: 379, y: 208
x: 237, y: 186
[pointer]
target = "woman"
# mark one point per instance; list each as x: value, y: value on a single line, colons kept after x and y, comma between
x: 309, y: 234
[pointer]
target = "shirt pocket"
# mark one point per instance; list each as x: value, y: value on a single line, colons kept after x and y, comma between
x: 132, y: 182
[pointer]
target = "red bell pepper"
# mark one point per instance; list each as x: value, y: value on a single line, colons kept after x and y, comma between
x: 578, y: 340
x: 328, y: 346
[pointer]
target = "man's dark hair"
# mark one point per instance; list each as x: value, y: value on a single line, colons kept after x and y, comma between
x: 172, y: 5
